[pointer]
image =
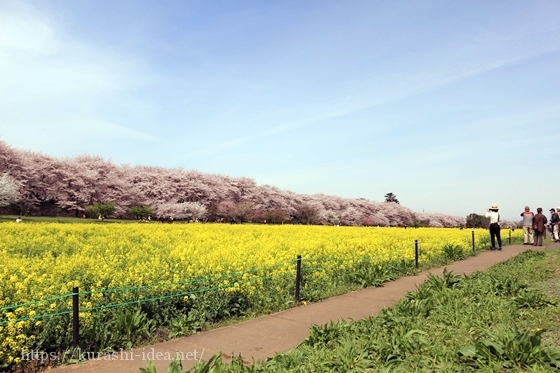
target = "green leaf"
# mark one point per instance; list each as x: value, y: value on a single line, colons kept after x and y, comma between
x: 468, y: 351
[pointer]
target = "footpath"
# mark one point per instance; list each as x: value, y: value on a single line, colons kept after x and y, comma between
x: 263, y: 337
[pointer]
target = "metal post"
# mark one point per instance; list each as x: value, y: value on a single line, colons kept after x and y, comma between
x: 473, y: 250
x: 298, y: 277
x: 75, y: 317
x: 416, y: 253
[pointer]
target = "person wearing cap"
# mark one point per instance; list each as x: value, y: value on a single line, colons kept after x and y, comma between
x: 494, y: 227
x: 527, y: 216
x: 539, y: 224
x: 554, y: 220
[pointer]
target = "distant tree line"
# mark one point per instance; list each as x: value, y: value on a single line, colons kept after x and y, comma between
x: 37, y: 184
x: 477, y: 221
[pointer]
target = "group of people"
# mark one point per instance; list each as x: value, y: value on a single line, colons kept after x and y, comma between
x: 534, y: 226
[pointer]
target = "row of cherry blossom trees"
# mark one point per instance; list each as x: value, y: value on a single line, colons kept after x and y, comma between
x: 53, y: 186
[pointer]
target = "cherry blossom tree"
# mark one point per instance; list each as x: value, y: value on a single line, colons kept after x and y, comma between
x: 352, y: 216
x: 308, y: 212
x: 171, y: 210
x: 440, y: 220
x: 11, y: 161
x: 235, y: 212
x: 508, y: 224
x: 8, y: 190
x: 195, y: 211
x: 380, y: 220
x: 277, y: 216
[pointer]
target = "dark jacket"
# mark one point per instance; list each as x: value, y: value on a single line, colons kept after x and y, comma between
x: 539, y: 221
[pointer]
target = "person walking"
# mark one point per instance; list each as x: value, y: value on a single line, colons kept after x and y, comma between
x: 554, y: 220
x: 494, y: 227
x: 527, y: 216
x: 539, y: 226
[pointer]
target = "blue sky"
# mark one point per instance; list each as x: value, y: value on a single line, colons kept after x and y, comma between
x: 450, y: 105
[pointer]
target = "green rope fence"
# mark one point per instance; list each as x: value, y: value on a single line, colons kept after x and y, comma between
x: 144, y: 287
x: 36, y: 302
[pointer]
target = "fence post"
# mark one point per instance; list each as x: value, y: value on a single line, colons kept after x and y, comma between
x: 509, y: 238
x: 298, y: 277
x: 75, y: 317
x: 416, y: 253
x: 473, y: 250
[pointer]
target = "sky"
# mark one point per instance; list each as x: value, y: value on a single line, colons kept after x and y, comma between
x: 450, y: 105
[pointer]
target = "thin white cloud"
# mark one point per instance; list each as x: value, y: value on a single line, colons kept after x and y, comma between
x: 88, y: 127
x: 23, y: 30
x: 417, y: 83
x: 54, y: 84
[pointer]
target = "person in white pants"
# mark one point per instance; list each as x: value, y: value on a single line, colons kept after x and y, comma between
x: 527, y: 216
x: 554, y: 221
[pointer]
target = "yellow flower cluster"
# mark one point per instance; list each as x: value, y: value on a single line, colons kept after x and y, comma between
x: 44, y: 261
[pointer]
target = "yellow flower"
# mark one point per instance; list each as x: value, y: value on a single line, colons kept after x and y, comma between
x: 240, y: 258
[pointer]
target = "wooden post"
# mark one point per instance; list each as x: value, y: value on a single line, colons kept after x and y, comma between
x: 416, y: 253
x: 75, y: 317
x: 298, y: 278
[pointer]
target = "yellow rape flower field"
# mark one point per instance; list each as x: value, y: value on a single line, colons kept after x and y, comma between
x: 175, y: 265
